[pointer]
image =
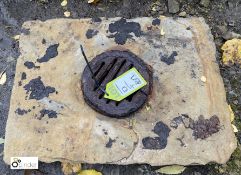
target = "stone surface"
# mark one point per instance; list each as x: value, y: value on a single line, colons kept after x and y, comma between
x: 48, y: 117
x: 182, y: 14
x: 204, y: 3
x: 173, y: 6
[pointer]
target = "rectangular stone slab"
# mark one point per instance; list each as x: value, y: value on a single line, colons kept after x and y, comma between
x: 49, y: 118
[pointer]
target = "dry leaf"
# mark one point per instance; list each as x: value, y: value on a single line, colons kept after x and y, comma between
x: 231, y: 113
x: 235, y: 129
x: 69, y: 168
x: 173, y: 169
x: 148, y: 107
x: 2, y: 141
x: 16, y: 37
x: 162, y: 17
x: 154, y: 9
x: 203, y: 79
x: 67, y: 14
x: 93, y: 1
x: 162, y: 32
x: 64, y: 3
x: 3, y: 78
x: 232, y: 52
x: 89, y: 172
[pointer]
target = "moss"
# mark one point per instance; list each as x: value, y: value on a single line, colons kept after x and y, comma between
x: 234, y: 164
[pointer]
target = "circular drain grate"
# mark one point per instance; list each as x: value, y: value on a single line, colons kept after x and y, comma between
x: 106, y: 67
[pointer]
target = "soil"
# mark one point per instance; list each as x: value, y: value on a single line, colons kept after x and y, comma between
x: 223, y: 16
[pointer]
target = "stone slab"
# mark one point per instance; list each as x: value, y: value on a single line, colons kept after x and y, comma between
x: 48, y: 117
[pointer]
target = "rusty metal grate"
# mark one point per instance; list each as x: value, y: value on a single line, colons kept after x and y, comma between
x: 106, y: 67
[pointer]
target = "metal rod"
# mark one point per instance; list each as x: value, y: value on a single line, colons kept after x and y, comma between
x: 91, y: 71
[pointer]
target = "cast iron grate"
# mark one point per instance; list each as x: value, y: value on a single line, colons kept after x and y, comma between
x: 106, y: 67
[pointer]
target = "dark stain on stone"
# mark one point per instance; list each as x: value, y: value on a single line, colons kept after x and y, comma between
x: 90, y: 33
x: 193, y: 74
x: 50, y: 150
x: 182, y: 119
x: 154, y: 143
x: 181, y: 141
x: 20, y: 83
x: 49, y: 113
x: 23, y: 76
x: 51, y: 52
x: 168, y: 59
x: 105, y: 132
x: 37, y: 89
x: 202, y: 128
x: 122, y: 30
x: 21, y: 111
x: 176, y: 121
x: 96, y: 19
x: 43, y: 41
x: 30, y: 65
x: 156, y: 22
x: 109, y: 143
x: 162, y: 130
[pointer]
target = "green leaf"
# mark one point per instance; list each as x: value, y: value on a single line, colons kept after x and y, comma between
x: 89, y: 172
x: 173, y: 169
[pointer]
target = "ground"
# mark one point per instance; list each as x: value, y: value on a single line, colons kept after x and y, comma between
x: 223, y: 17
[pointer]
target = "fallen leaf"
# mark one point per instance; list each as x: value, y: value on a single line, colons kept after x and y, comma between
x: 203, y: 79
x: 89, y: 172
x: 232, y: 52
x: 69, y: 168
x: 154, y: 8
x: 16, y: 37
x: 173, y: 169
x: 3, y: 78
x: 67, y: 14
x: 148, y: 107
x: 2, y: 141
x: 235, y: 129
x: 64, y: 3
x: 93, y: 1
x: 162, y: 32
x: 162, y: 17
x: 231, y: 113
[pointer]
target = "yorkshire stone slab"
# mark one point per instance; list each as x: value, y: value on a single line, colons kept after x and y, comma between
x: 185, y: 121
